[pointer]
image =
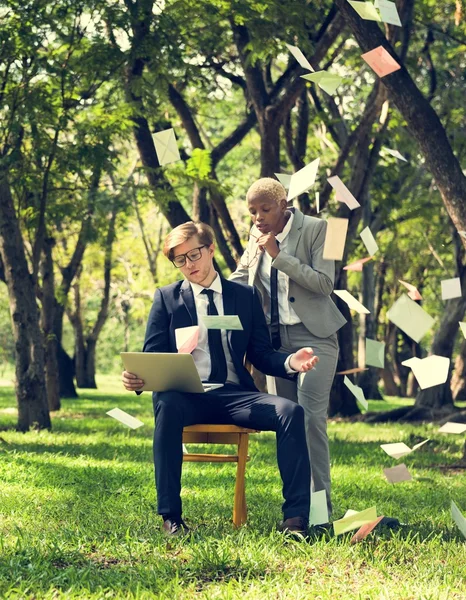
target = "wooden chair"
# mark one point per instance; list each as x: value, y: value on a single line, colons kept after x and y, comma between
x: 223, y: 434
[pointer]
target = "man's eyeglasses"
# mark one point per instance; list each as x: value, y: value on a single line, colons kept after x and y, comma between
x: 256, y: 256
x: 193, y: 255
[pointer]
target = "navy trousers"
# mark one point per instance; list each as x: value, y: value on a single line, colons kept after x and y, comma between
x: 231, y: 406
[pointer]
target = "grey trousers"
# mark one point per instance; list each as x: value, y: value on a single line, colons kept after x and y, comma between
x: 312, y: 392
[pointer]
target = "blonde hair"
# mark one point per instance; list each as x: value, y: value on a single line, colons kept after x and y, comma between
x: 185, y: 232
x: 266, y: 186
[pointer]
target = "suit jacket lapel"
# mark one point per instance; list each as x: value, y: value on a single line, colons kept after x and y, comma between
x: 188, y: 300
x: 295, y: 233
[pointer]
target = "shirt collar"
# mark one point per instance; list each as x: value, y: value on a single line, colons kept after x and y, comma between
x: 216, y: 285
x: 286, y: 230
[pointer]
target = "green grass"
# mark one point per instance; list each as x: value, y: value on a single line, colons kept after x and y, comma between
x: 78, y: 515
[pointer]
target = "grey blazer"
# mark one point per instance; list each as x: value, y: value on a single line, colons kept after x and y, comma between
x: 311, y: 278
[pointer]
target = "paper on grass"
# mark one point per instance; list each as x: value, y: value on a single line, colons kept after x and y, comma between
x: 413, y: 291
x: 463, y: 328
x: 357, y: 392
x: 303, y: 180
x: 166, y: 146
x: 125, y: 418
x: 429, y: 371
x: 380, y: 61
x: 399, y: 449
x: 284, y: 179
x: 365, y: 530
x: 366, y: 10
x: 343, y: 193
x: 397, y: 474
x: 319, y: 510
x: 452, y: 427
x: 335, y: 238
x: 375, y: 353
x: 329, y: 82
x: 388, y: 12
x: 299, y: 56
x: 369, y: 241
x: 410, y: 318
x: 352, y: 302
x: 357, y: 265
x: 222, y: 321
x: 354, y: 521
x: 458, y: 518
x: 186, y: 339
x: 394, y: 153
x: 451, y: 288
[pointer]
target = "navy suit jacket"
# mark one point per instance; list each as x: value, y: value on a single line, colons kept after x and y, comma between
x: 174, y: 307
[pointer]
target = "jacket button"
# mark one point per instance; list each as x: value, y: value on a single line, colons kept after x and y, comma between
x: 291, y: 299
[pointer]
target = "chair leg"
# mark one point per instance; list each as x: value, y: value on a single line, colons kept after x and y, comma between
x: 239, y: 507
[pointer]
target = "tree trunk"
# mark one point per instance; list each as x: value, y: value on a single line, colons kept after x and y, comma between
x: 421, y: 119
x: 438, y: 398
x: 458, y: 379
x: 50, y: 340
x: 31, y: 391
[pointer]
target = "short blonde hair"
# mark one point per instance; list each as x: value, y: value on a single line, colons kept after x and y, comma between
x: 185, y: 232
x: 266, y: 186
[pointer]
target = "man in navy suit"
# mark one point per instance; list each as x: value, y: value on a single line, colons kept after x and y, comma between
x: 219, y: 357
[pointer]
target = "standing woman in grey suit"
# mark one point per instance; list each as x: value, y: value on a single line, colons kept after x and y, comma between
x: 284, y: 261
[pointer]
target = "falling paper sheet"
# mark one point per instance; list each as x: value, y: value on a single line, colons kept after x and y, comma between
x: 400, y: 449
x: 381, y: 61
x: 365, y: 10
x: 388, y: 12
x: 284, y: 179
x: 452, y: 427
x: 166, y: 146
x: 125, y: 418
x: 463, y: 328
x: 395, y: 153
x: 410, y: 318
x: 352, y: 302
x: 317, y: 202
x: 397, y: 474
x: 222, y: 321
x: 355, y: 520
x: 303, y: 180
x: 458, y: 518
x: 327, y: 81
x: 429, y: 371
x: 335, y: 238
x: 352, y: 371
x: 451, y: 288
x: 375, y: 353
x: 413, y: 291
x: 369, y: 241
x: 343, y: 193
x: 365, y: 530
x: 357, y: 392
x: 357, y: 265
x: 186, y: 339
x: 299, y: 56
x: 319, y: 511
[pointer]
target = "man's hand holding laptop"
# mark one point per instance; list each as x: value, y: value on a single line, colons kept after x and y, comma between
x: 301, y: 361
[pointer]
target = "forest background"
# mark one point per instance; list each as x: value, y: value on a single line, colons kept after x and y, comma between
x: 85, y: 205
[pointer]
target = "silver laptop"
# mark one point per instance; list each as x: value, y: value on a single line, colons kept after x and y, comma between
x: 166, y: 371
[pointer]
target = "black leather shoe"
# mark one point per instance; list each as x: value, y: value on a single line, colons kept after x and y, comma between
x: 294, y: 525
x: 175, y: 527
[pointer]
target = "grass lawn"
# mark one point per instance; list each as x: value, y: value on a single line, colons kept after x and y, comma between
x: 78, y: 515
